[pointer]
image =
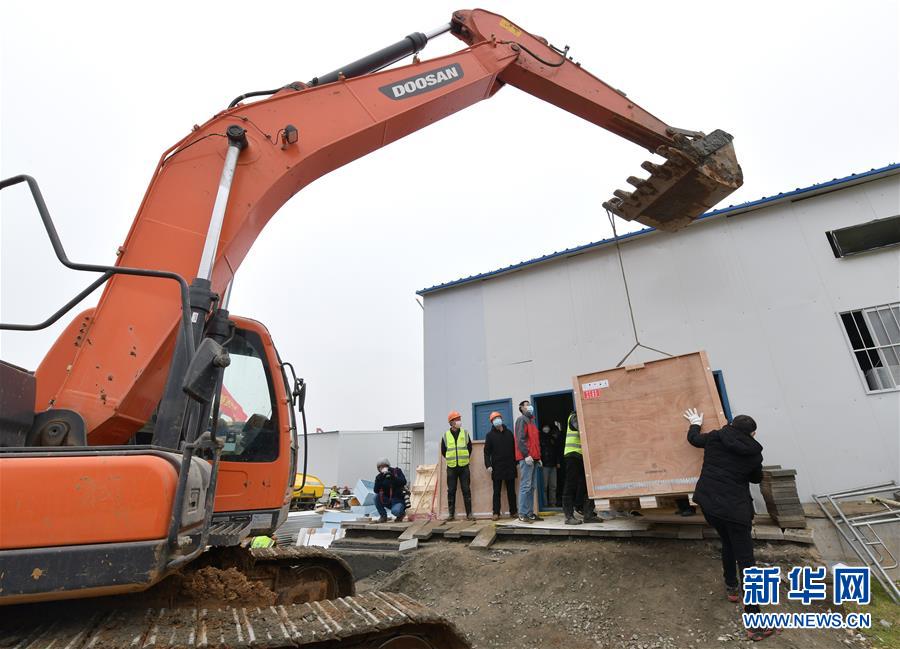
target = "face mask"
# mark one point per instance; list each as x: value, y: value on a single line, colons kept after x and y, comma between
x: 455, y: 424
x: 529, y: 410
x: 384, y: 469
x: 574, y: 423
x: 546, y: 431
x: 497, y: 422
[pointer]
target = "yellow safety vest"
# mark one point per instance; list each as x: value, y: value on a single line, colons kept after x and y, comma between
x: 573, y: 439
x: 262, y: 542
x: 457, y: 454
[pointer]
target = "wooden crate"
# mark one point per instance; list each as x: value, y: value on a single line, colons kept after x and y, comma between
x: 482, y: 487
x: 634, y: 437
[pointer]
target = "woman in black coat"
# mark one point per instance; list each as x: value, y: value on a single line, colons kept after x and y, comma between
x: 500, y: 461
x: 732, y: 459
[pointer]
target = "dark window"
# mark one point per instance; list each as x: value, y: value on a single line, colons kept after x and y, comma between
x: 865, y: 237
x: 247, y: 417
x: 874, y: 337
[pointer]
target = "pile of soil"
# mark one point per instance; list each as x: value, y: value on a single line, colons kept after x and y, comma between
x: 580, y: 594
x: 211, y: 585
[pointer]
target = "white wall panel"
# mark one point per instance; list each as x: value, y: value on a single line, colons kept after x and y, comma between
x: 758, y: 291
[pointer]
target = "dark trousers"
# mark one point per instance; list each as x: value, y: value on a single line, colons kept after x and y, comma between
x: 737, y: 551
x: 575, y: 492
x: 510, y: 495
x: 460, y: 475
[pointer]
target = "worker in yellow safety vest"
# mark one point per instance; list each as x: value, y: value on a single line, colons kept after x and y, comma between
x: 456, y: 447
x: 262, y: 542
x: 575, y: 492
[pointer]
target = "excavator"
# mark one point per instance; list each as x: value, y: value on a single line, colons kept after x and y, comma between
x: 159, y: 433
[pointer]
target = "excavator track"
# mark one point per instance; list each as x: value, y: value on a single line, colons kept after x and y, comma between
x: 292, y: 597
x: 372, y: 620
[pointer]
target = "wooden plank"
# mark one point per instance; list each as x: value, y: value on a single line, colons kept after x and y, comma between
x: 690, y: 532
x: 485, y: 537
x: 454, y: 529
x: 767, y: 533
x: 633, y: 432
x: 481, y: 485
x: 472, y: 532
x: 424, y: 533
x: 799, y: 536
x: 412, y: 529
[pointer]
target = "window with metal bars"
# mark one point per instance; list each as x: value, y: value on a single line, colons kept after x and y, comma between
x: 874, y: 337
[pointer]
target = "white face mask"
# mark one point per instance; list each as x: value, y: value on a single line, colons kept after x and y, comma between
x: 529, y: 410
x: 497, y: 422
x: 456, y: 423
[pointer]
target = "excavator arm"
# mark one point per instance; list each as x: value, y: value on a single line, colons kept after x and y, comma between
x: 213, y: 192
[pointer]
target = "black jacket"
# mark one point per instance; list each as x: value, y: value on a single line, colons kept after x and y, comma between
x: 551, y: 447
x: 389, y: 487
x: 731, y: 461
x: 500, y: 453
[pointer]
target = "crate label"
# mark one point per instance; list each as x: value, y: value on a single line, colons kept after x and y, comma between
x: 592, y: 389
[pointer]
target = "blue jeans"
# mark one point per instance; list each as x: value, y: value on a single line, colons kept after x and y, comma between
x: 526, y: 489
x: 397, y: 508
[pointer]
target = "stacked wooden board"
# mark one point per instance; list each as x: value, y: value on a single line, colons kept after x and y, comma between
x: 779, y: 490
x: 634, y: 437
x: 422, y: 491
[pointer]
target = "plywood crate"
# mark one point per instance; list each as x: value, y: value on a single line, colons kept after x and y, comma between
x: 481, y: 484
x: 634, y: 436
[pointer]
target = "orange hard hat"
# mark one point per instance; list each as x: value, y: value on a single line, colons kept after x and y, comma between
x: 493, y: 416
x: 453, y: 415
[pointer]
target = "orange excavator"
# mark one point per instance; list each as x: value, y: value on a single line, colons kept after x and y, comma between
x: 158, y: 433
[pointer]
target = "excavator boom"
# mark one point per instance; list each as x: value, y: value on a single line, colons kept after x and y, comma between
x: 302, y: 132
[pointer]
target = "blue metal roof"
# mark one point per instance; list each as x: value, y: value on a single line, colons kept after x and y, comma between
x: 730, y: 210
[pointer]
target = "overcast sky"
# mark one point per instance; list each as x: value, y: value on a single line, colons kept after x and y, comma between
x: 90, y: 97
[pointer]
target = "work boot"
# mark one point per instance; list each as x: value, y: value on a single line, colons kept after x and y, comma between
x: 451, y: 518
x: 399, y: 519
x: 383, y: 519
x: 495, y: 517
x: 732, y: 593
x: 469, y: 517
x: 571, y: 520
x: 524, y: 519
x: 592, y: 518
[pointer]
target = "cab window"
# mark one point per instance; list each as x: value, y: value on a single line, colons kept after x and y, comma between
x: 247, y: 416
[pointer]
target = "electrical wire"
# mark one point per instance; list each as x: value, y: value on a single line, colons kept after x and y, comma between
x: 562, y: 53
x: 187, y: 146
x: 637, y: 341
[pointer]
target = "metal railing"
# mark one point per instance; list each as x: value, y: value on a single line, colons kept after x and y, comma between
x: 860, y: 533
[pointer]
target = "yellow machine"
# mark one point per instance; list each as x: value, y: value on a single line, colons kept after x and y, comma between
x: 306, y: 496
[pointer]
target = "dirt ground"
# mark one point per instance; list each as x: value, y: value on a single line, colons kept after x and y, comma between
x: 209, y: 586
x: 580, y: 594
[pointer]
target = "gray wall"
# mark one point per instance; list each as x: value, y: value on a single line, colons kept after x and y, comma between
x: 758, y: 291
x: 343, y: 457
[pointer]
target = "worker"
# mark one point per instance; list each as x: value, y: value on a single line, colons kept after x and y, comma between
x: 500, y: 461
x: 550, y: 462
x: 389, y: 484
x: 732, y: 459
x: 334, y: 498
x: 456, y: 447
x: 528, y: 455
x: 262, y: 542
x: 575, y: 493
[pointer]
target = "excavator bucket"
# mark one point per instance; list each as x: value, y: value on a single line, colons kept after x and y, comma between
x: 698, y: 173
